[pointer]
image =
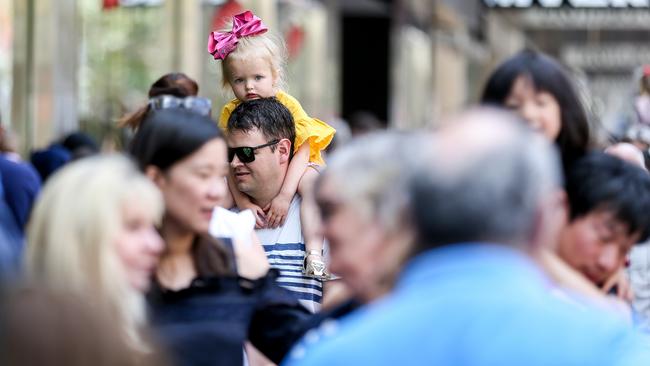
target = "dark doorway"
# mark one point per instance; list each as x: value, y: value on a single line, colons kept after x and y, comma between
x: 365, y: 66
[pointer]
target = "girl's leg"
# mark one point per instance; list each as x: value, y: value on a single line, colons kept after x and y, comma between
x: 309, y: 216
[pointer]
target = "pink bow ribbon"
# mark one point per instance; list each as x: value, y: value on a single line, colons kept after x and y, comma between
x: 220, y: 44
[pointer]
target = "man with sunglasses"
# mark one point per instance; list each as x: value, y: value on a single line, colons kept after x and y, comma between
x: 260, y: 135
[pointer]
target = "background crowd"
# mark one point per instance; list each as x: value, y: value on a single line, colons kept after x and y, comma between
x: 506, y: 235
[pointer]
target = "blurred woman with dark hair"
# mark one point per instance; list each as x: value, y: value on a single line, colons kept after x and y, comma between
x: 200, y: 305
x: 539, y: 89
x: 175, y: 84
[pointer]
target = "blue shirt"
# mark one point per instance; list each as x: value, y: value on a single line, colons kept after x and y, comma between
x: 474, y: 304
x: 11, y: 239
x: 21, y: 185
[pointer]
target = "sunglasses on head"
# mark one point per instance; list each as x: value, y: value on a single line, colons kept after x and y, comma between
x: 202, y: 106
x: 246, y: 154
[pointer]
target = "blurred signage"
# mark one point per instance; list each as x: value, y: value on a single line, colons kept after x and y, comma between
x: 568, y: 3
x: 112, y: 4
x: 610, y: 57
x: 604, y: 19
x: 127, y: 3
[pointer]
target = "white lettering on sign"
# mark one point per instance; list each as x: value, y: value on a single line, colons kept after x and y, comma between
x: 615, y: 57
x: 569, y: 18
x: 571, y: 3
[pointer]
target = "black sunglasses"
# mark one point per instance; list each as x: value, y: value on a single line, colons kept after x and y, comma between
x: 246, y: 154
x: 200, y: 105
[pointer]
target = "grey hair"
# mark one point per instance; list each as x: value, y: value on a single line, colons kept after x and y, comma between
x: 373, y: 173
x: 490, y: 189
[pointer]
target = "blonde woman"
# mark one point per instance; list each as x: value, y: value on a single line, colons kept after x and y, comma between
x: 92, y: 234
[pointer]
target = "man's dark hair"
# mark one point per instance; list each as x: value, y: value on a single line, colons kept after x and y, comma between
x: 268, y: 115
x: 602, y: 181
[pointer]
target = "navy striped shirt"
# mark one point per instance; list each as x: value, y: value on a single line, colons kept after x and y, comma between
x: 285, y: 249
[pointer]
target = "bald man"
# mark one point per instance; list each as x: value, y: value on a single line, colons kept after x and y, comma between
x: 470, y: 294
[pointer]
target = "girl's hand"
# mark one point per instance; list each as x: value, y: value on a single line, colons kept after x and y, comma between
x: 277, y: 211
x: 619, y: 283
x: 260, y: 217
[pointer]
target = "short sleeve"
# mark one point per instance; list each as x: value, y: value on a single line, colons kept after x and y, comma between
x: 315, y: 132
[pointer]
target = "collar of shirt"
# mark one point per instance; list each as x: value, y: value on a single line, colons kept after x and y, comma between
x: 481, y: 261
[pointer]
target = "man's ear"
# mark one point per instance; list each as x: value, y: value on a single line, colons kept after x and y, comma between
x: 284, y: 147
x: 155, y: 174
x: 551, y: 218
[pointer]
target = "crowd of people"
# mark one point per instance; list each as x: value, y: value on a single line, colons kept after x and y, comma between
x: 506, y: 236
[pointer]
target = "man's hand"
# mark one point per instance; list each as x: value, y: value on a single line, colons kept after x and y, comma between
x: 277, y: 211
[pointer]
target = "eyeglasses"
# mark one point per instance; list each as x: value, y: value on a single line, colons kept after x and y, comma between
x: 246, y: 154
x: 202, y: 106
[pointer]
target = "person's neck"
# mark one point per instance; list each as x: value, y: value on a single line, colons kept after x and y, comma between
x: 176, y: 269
x: 179, y: 241
x: 265, y: 196
x: 263, y: 201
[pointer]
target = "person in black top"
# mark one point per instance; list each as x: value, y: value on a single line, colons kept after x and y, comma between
x: 199, y: 306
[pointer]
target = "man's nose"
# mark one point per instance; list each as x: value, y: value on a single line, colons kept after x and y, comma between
x: 610, y: 258
x: 235, y: 162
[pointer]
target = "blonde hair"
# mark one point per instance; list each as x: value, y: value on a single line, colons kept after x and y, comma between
x: 72, y: 231
x: 268, y: 46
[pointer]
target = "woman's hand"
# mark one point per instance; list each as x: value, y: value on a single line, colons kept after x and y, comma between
x: 252, y: 262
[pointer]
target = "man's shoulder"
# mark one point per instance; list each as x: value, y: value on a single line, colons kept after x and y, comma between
x: 18, y: 170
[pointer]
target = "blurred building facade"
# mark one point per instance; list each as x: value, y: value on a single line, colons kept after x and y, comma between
x: 66, y: 64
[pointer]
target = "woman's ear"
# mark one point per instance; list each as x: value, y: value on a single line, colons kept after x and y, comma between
x: 155, y: 175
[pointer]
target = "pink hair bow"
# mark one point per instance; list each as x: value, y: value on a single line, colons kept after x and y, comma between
x: 220, y: 44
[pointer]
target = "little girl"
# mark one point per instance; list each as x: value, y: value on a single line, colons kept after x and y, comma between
x: 252, y: 66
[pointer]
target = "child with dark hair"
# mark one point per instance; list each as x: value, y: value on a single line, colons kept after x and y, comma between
x: 609, y: 201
